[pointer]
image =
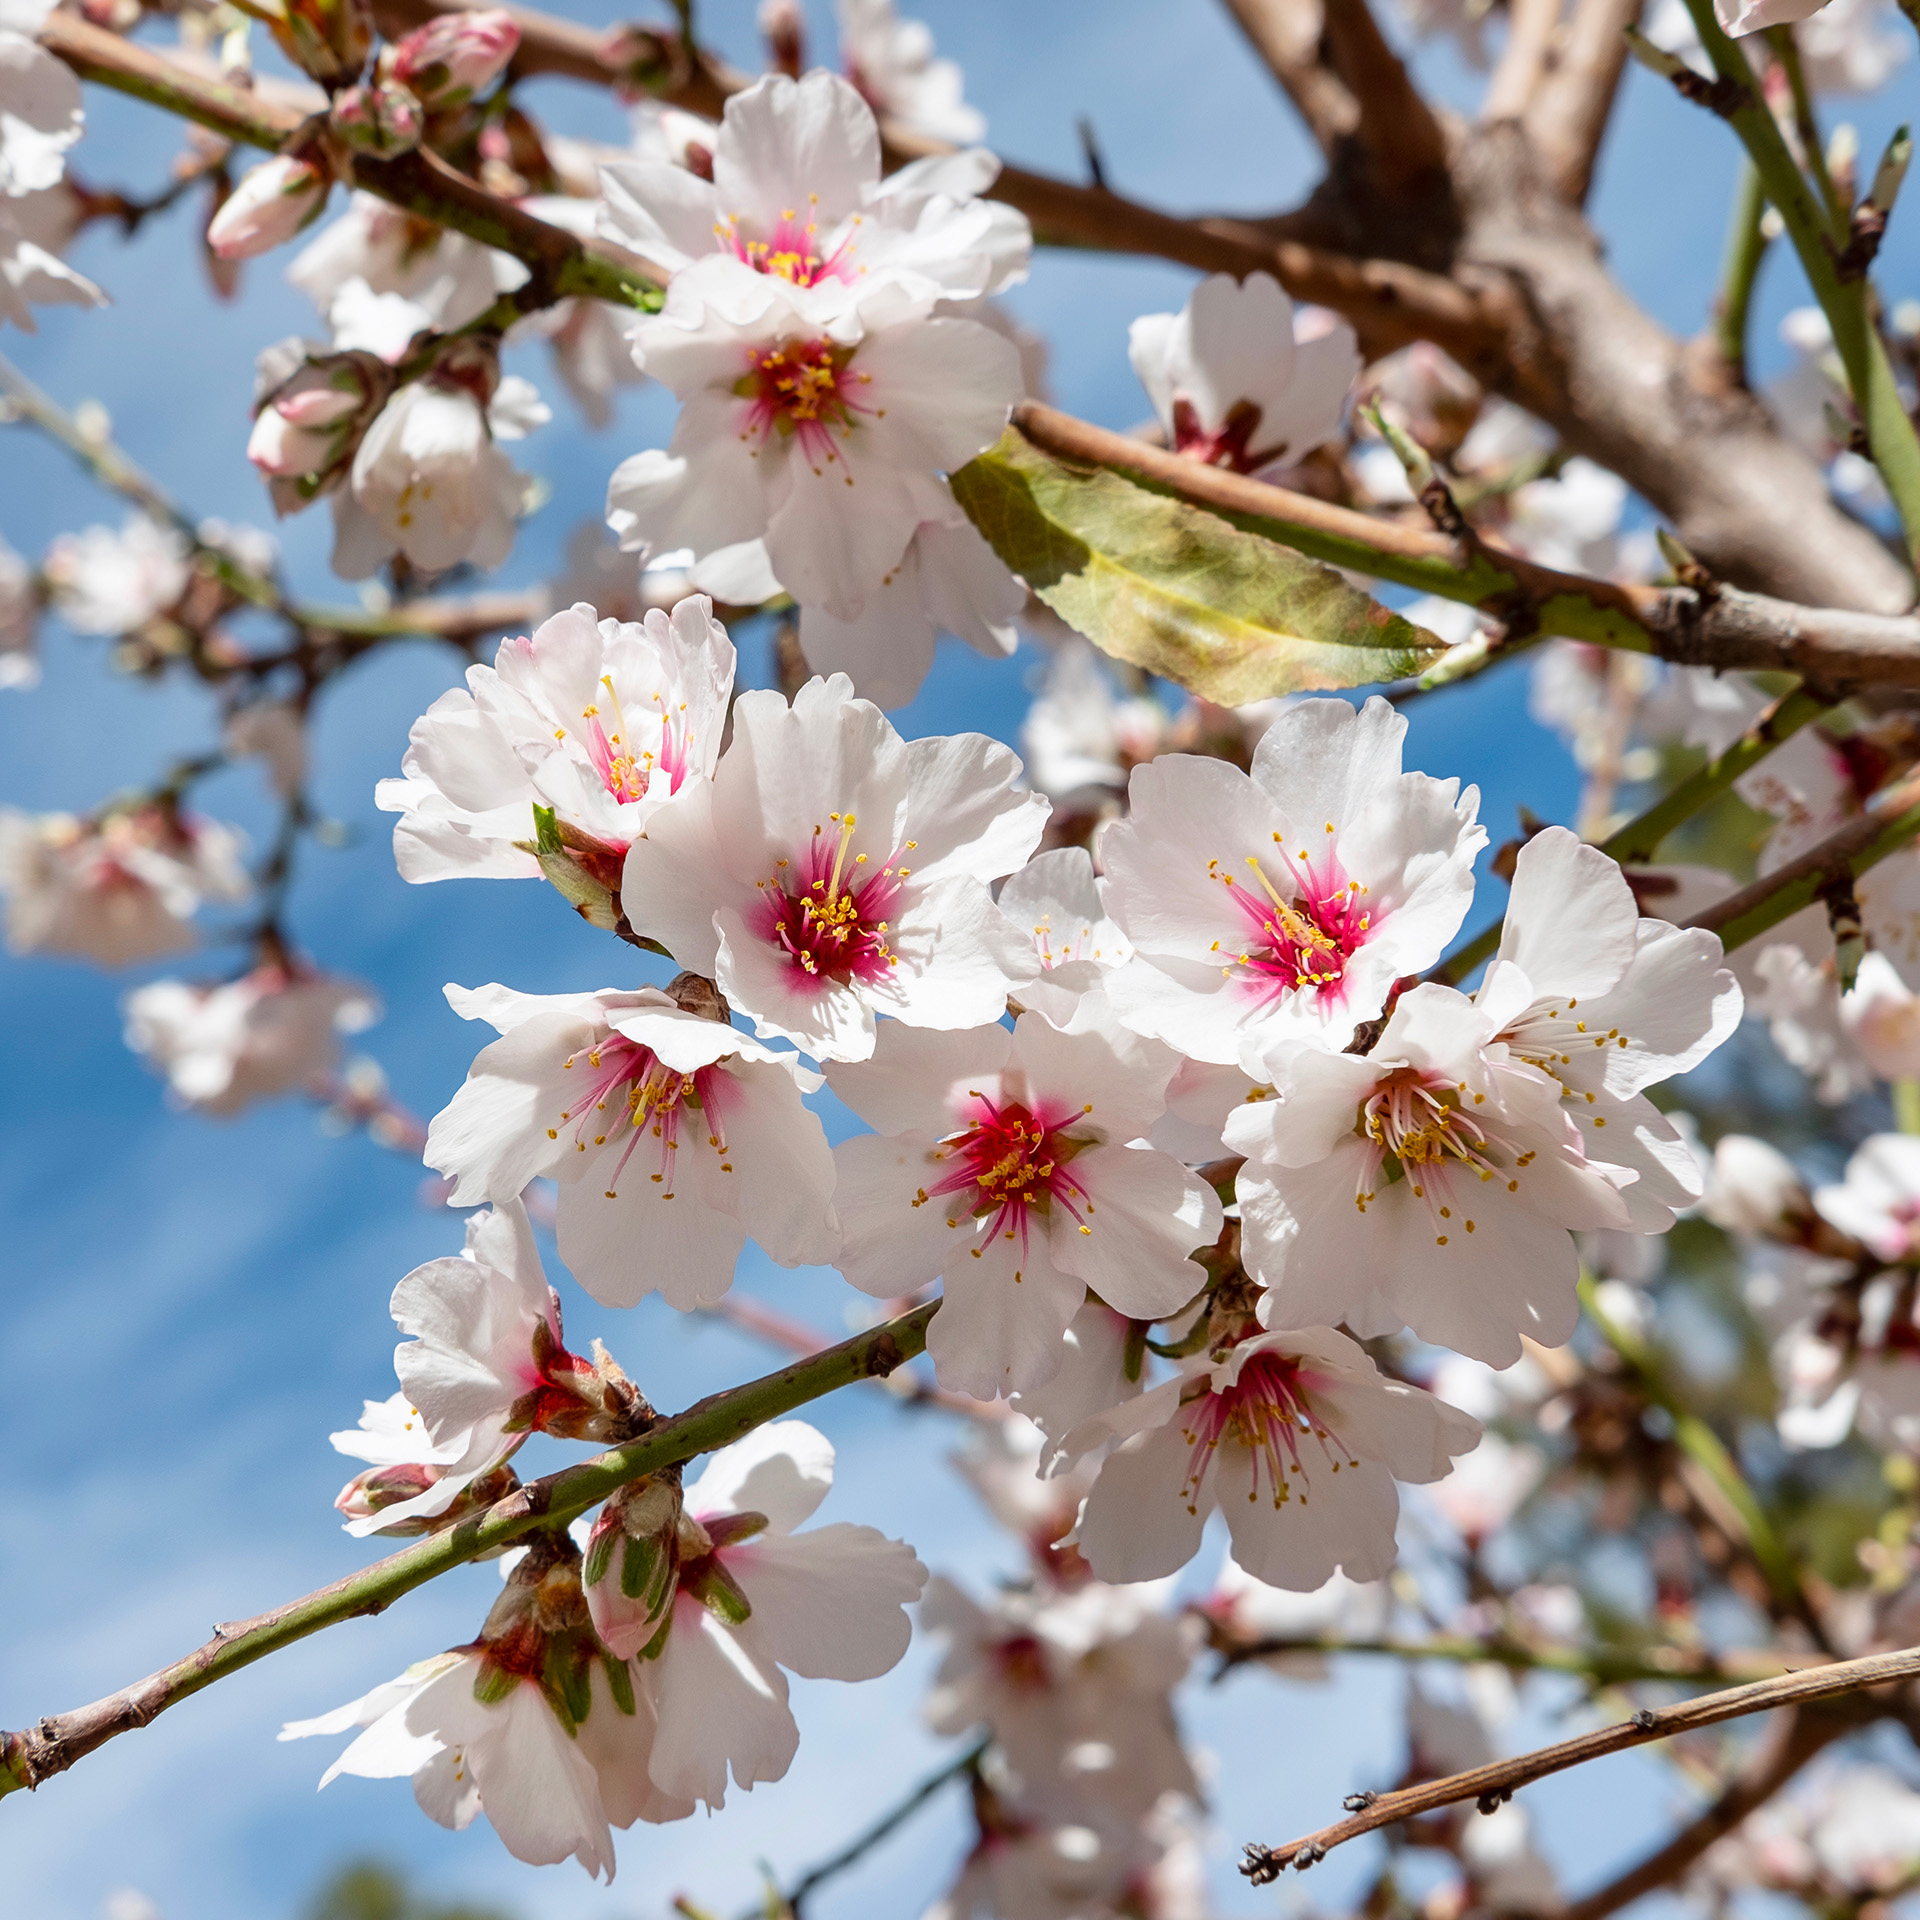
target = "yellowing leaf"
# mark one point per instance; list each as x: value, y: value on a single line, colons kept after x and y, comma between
x: 1178, y: 591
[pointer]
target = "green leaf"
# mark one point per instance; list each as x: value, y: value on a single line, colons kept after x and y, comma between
x: 1177, y: 590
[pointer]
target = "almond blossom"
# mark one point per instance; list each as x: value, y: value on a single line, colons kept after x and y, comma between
x: 1296, y: 1436
x: 826, y: 438
x: 498, y: 1727
x: 272, y: 203
x: 604, y: 721
x: 1429, y: 1183
x: 429, y: 482
x: 1608, y: 1003
x: 796, y: 195
x: 105, y: 581
x: 274, y: 1030
x: 1239, y: 380
x: 673, y: 1136
x: 114, y: 890
x: 1076, y: 1689
x: 487, y: 1365
x: 891, y: 61
x: 1013, y: 1166
x: 833, y: 871
x: 1285, y: 902
x: 757, y: 1600
x: 40, y: 118
x: 1057, y: 896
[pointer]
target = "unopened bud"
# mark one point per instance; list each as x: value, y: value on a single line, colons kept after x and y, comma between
x: 632, y: 1563
x: 446, y: 62
x: 379, y: 1488
x: 270, y: 205
x: 329, y: 39
x: 311, y: 418
x: 382, y: 119
x: 538, y: 1630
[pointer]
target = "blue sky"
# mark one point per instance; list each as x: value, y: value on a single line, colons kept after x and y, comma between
x: 187, y: 1309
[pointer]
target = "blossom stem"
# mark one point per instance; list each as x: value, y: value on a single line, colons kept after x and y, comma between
x: 1746, y: 249
x: 1639, y: 840
x: 1698, y: 1441
x: 889, y: 1822
x: 1495, y: 1782
x: 1744, y: 915
x: 421, y: 182
x: 53, y: 1744
x: 1891, y: 439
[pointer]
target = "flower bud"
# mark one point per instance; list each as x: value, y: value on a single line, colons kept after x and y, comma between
x: 310, y: 419
x: 538, y: 1630
x: 382, y: 119
x: 378, y: 1488
x: 329, y: 39
x: 633, y: 1561
x: 703, y: 1576
x: 446, y: 62
x: 270, y: 205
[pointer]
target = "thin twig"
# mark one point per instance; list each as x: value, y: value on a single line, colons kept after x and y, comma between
x: 53, y: 1744
x: 1497, y: 1780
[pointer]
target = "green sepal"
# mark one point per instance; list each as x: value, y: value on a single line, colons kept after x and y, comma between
x: 719, y: 1592
x: 568, y: 1679
x: 492, y: 1684
x: 599, y: 1555
x: 619, y: 1682
x: 640, y: 1566
x: 658, y: 1644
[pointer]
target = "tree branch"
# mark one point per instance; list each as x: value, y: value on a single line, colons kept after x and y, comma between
x: 1398, y: 132
x: 1788, y: 1745
x: 1830, y: 648
x: 1287, y: 35
x: 54, y: 1744
x: 1531, y: 25
x: 1566, y: 116
x: 1497, y: 1781
x: 560, y: 264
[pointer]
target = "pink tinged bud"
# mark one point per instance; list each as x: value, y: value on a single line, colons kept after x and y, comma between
x: 449, y: 60
x: 268, y: 207
x: 632, y: 1564
x: 329, y: 39
x: 383, y: 119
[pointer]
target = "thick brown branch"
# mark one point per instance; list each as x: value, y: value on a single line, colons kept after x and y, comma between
x: 1523, y: 61
x: 1398, y: 132
x: 1287, y: 35
x: 1498, y: 1779
x: 1788, y: 1745
x: 1566, y: 117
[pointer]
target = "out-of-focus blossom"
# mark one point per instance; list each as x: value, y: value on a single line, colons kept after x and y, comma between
x: 1056, y: 899
x: 1081, y: 738
x: 590, y: 341
x: 447, y: 61
x: 103, y: 581
x: 1239, y: 379
x: 116, y: 890
x: 892, y: 62
x: 1242, y: 1612
x: 40, y: 118
x: 270, y: 1032
x: 269, y: 206
x: 1881, y: 1016
x: 275, y: 733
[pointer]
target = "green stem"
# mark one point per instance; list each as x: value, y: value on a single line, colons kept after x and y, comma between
x: 1891, y: 439
x: 52, y: 1745
x: 1639, y: 840
x: 1739, y: 272
x: 1806, y: 125
x: 1704, y: 1447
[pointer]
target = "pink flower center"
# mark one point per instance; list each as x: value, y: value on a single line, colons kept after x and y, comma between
x: 828, y: 916
x: 1012, y: 1162
x: 1423, y: 1133
x: 806, y: 390
x: 1267, y: 1411
x: 627, y: 1087
x: 791, y: 252
x: 1228, y: 445
x: 1302, y: 931
x: 625, y: 767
